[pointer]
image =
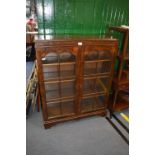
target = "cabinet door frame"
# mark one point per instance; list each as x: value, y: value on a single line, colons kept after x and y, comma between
x: 99, y: 46
x: 41, y: 52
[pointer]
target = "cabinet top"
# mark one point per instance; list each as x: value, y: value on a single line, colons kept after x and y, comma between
x: 71, y: 37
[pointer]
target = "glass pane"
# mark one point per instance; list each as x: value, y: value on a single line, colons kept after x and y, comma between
x: 50, y: 58
x: 93, y: 55
x: 67, y: 70
x: 61, y: 89
x: 68, y: 89
x: 97, y: 62
x: 87, y: 104
x: 98, y: 55
x: 59, y: 108
x: 52, y: 91
x: 104, y: 67
x: 90, y: 68
x: 102, y: 84
x: 59, y: 65
x: 68, y: 107
x: 106, y: 55
x: 54, y: 109
x: 50, y: 72
x: 92, y: 103
x: 89, y: 86
x: 96, y: 85
x: 67, y: 57
x: 99, y: 102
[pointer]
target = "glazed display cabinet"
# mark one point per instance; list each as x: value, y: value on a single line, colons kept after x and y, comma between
x: 75, y: 76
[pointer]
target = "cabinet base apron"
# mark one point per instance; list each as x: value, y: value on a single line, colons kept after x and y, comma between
x: 50, y: 123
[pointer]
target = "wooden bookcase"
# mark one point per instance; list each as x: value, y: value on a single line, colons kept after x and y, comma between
x: 75, y: 76
x: 120, y: 86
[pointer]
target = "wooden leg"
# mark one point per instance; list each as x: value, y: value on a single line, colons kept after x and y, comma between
x: 47, y: 126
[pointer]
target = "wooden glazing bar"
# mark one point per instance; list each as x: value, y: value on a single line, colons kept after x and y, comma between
x: 75, y: 68
x: 94, y: 86
x: 93, y: 110
x: 63, y: 99
x: 96, y: 68
x: 59, y: 81
x: 93, y: 61
x: 99, y: 74
x: 55, y: 80
x: 62, y: 63
x: 95, y: 77
x: 93, y: 94
x: 80, y: 80
x: 59, y: 84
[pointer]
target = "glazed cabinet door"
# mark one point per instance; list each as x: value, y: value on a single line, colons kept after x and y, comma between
x: 96, y: 73
x: 58, y: 67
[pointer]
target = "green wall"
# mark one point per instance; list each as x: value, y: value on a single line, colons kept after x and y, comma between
x: 81, y: 16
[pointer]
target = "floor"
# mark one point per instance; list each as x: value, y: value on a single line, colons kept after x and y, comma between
x: 88, y: 136
x: 126, y: 112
